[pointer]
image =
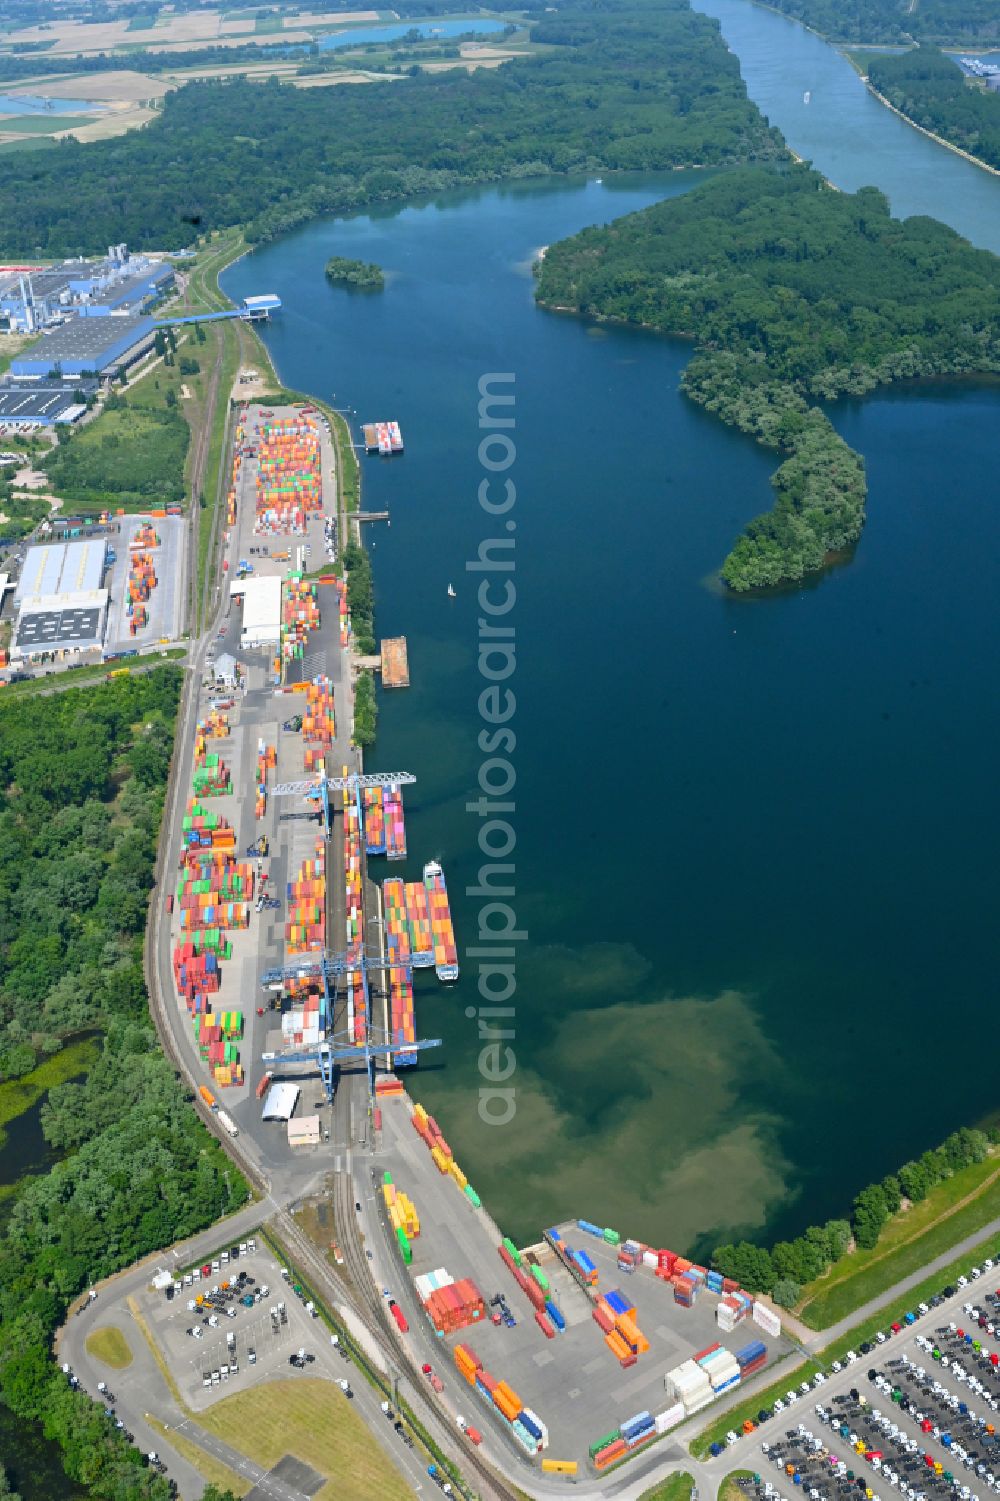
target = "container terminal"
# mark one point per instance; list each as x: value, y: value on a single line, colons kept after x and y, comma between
x: 293, y: 973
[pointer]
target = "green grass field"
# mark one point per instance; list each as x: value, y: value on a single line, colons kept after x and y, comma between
x: 141, y: 23
x: 29, y: 143
x: 43, y: 125
x: 111, y: 1347
x: 313, y: 1421
x: 268, y: 25
x: 953, y: 1210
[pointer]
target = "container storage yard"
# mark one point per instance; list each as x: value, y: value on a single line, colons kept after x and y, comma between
x: 594, y: 1355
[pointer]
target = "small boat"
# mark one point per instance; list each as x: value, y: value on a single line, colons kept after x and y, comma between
x: 451, y: 591
x: 806, y: 97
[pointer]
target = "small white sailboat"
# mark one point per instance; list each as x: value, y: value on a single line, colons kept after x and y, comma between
x: 451, y: 591
x: 806, y: 97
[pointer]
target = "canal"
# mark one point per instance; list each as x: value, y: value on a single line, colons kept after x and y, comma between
x: 753, y: 838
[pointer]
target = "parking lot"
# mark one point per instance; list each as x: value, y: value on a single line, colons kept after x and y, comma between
x: 239, y: 1324
x: 574, y: 1382
x: 913, y: 1412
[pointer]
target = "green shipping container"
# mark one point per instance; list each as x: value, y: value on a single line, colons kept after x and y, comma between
x: 612, y: 1237
x: 602, y: 1443
x: 387, y: 1176
x: 472, y: 1196
x: 512, y: 1249
x: 540, y: 1278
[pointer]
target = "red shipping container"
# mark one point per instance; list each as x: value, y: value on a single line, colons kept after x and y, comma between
x: 544, y: 1325
x: 601, y: 1319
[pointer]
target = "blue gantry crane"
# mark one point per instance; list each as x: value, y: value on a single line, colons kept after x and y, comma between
x: 355, y: 781
x: 334, y: 1050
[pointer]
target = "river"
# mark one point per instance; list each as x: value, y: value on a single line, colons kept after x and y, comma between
x: 754, y: 839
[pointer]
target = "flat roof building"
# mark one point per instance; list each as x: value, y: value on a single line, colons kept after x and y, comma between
x: 61, y: 605
x: 99, y: 345
x: 280, y: 1101
x: 38, y: 405
x: 261, y: 611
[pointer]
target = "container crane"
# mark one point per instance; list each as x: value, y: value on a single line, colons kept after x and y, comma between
x: 325, y: 1054
x: 319, y: 787
x: 323, y: 966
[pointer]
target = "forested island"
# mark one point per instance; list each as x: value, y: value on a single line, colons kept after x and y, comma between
x: 633, y: 86
x: 961, y: 23
x: 794, y: 293
x: 364, y: 276
x: 932, y: 91
x: 82, y: 776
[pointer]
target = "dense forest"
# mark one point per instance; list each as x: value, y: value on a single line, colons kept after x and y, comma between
x: 783, y: 1269
x: 932, y: 91
x: 964, y: 23
x: 634, y: 85
x: 82, y: 775
x: 792, y: 291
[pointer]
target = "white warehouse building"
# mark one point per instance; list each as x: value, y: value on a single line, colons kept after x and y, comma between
x: 61, y: 604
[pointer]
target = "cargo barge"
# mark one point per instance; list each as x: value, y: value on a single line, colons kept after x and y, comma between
x: 383, y: 437
x: 375, y: 821
x: 442, y: 929
x: 397, y: 947
x: 418, y: 917
x: 395, y: 828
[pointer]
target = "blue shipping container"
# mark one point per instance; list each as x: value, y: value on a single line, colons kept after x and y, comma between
x: 617, y: 1301
x: 751, y: 1352
x: 640, y: 1420
x: 585, y: 1261
x: 555, y: 1314
x: 528, y: 1422
x: 590, y: 1229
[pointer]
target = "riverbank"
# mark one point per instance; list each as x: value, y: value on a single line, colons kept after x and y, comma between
x: 938, y: 140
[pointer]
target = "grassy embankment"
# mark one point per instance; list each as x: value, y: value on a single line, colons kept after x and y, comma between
x: 18, y: 1095
x: 953, y: 1210
x: 674, y: 1488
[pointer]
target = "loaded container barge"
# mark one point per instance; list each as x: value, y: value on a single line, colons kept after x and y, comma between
x: 442, y: 929
x: 397, y: 945
x: 418, y: 917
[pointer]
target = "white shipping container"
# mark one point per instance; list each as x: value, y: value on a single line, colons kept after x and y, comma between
x: 687, y: 1381
x: 669, y: 1417
x: 697, y: 1403
x: 765, y: 1318
x: 650, y: 1259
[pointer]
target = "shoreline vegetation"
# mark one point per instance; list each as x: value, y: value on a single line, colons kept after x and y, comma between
x: 931, y: 93
x: 972, y: 25
x: 794, y: 295
x: 636, y: 87
x: 82, y: 779
x: 361, y: 276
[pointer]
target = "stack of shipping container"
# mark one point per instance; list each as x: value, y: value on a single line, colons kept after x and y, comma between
x: 289, y: 483
x: 418, y: 917
x: 395, y: 828
x: 299, y: 616
x: 534, y: 1283
x: 449, y: 1305
x: 429, y: 1132
x: 267, y: 760
x: 526, y: 1426
x: 397, y: 949
x: 374, y: 811
x: 305, y: 928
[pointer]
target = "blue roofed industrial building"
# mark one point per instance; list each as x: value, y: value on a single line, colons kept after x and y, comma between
x: 101, y: 346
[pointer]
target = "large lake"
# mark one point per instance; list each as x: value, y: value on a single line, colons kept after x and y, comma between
x: 755, y: 839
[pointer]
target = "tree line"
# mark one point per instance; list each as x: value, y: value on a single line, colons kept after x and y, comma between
x: 794, y: 293
x: 782, y: 1270
x: 964, y: 23
x: 634, y: 85
x: 82, y: 778
x: 933, y: 91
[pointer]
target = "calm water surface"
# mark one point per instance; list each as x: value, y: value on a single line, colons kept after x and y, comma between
x: 429, y: 30
x: 754, y: 839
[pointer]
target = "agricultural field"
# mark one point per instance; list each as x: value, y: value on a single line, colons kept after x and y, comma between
x: 175, y: 32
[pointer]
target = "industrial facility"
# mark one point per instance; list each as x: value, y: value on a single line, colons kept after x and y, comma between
x: 33, y: 298
x: 60, y: 602
x: 87, y: 346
